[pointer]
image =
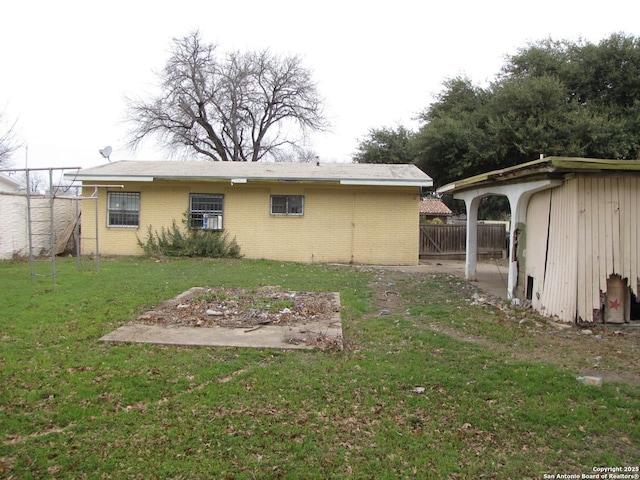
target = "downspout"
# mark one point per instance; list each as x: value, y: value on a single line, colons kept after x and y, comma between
x: 353, y: 227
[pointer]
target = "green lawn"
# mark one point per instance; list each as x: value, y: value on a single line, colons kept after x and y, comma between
x: 71, y: 407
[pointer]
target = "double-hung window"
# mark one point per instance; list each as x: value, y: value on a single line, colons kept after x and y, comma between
x: 123, y: 209
x: 287, y: 205
x: 205, y: 211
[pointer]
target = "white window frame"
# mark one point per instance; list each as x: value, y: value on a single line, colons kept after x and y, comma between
x: 123, y: 206
x: 205, y: 218
x: 293, y: 205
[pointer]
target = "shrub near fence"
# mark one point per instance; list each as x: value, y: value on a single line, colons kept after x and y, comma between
x: 451, y: 240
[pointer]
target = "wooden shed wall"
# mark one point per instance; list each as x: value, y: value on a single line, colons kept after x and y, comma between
x: 578, y: 235
x: 559, y: 294
x: 537, y: 233
x: 609, y: 226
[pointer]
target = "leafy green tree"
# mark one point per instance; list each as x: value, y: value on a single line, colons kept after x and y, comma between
x: 606, y: 74
x: 528, y: 116
x: 452, y: 142
x: 386, y: 145
x: 602, y: 89
x: 552, y: 98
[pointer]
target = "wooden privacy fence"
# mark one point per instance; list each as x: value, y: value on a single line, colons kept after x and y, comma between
x: 451, y: 240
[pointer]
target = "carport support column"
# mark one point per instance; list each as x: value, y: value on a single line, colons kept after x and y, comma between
x: 472, y: 201
x: 518, y: 201
x: 518, y: 195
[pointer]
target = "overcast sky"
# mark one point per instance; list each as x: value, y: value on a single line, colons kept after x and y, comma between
x: 66, y: 66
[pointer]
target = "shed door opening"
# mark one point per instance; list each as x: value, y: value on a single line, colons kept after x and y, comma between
x: 634, y: 311
x: 529, y: 291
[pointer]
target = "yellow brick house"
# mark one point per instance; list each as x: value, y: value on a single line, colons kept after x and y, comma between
x: 302, y: 212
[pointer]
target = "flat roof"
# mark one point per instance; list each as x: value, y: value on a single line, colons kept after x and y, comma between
x: 544, y: 167
x: 243, y: 172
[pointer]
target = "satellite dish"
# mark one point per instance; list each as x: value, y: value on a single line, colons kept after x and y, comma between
x: 106, y: 152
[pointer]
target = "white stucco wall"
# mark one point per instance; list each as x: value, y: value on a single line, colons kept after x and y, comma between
x: 14, y: 230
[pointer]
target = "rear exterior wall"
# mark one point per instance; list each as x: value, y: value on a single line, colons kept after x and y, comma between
x: 340, y: 223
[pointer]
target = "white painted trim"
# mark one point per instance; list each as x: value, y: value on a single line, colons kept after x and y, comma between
x: 387, y: 183
x: 101, y: 178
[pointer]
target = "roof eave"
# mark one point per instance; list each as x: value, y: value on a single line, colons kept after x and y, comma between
x: 141, y: 178
x: 542, y: 167
x: 594, y: 164
x: 108, y: 178
x: 389, y: 183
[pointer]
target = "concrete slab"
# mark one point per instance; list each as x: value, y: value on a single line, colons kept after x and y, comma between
x: 320, y: 334
x: 264, y: 337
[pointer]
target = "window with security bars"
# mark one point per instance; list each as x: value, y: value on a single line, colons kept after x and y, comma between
x: 123, y: 209
x: 205, y: 211
x: 287, y: 205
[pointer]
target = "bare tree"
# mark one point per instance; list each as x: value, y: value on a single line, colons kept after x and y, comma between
x: 8, y: 140
x: 299, y: 154
x: 244, y: 106
x: 38, y: 182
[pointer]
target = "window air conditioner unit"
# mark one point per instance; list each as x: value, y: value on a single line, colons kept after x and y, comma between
x: 212, y: 222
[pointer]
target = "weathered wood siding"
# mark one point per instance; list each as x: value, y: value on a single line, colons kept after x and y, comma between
x: 537, y: 235
x: 591, y: 233
x: 559, y: 294
x: 609, y: 219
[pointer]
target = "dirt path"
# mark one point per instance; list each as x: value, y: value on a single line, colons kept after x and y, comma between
x: 610, y: 352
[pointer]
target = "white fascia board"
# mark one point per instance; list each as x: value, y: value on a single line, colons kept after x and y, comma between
x: 388, y: 183
x: 101, y: 178
x: 446, y: 188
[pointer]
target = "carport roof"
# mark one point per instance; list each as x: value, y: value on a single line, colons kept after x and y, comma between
x: 542, y: 168
x: 405, y: 175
